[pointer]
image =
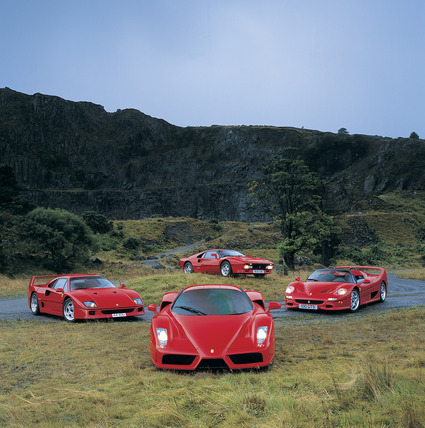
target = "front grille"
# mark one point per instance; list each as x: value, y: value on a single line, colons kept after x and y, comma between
x: 212, y: 363
x: 259, y: 266
x: 308, y: 302
x: 178, y: 360
x: 117, y: 311
x: 251, y: 358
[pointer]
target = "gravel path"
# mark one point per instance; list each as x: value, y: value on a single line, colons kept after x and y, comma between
x: 402, y: 293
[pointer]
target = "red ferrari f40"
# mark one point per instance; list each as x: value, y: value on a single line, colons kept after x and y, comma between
x: 80, y: 296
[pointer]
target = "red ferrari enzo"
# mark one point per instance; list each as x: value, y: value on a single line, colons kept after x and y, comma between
x: 82, y: 297
x: 226, y: 262
x: 336, y: 288
x: 212, y: 327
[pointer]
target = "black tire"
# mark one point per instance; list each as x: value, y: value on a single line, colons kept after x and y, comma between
x: 226, y: 268
x: 355, y: 300
x: 68, y: 310
x: 35, y: 306
x: 383, y: 292
x: 188, y: 268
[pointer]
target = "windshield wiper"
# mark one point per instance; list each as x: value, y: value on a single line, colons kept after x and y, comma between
x: 190, y: 309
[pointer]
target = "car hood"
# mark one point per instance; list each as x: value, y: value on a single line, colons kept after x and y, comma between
x: 317, y: 286
x: 247, y: 259
x: 106, y: 297
x: 215, y: 334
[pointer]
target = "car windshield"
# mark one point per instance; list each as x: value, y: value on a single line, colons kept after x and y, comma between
x: 230, y: 253
x: 90, y: 282
x: 212, y: 301
x: 331, y: 275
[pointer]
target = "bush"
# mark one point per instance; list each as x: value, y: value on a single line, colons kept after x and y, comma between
x: 98, y: 223
x: 58, y: 238
x: 132, y: 243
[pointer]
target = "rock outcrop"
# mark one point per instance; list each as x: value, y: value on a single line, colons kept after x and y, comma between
x: 77, y: 156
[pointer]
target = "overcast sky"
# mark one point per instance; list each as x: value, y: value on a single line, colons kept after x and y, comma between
x: 317, y: 64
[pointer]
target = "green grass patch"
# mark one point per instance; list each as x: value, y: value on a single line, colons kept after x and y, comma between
x: 364, y: 371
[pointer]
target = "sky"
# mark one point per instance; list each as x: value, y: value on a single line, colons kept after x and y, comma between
x: 314, y: 64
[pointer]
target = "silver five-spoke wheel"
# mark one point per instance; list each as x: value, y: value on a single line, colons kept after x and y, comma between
x: 68, y: 310
x: 226, y: 268
x: 383, y: 292
x: 34, y: 304
x: 355, y: 300
x: 188, y: 268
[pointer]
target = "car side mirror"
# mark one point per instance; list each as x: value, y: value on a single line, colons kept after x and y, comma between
x: 214, y: 255
x: 273, y: 305
x: 152, y: 307
x: 297, y: 278
x: 59, y: 290
x: 366, y: 281
x: 122, y: 286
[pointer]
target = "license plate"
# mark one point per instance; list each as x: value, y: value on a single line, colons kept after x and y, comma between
x: 121, y: 314
x: 257, y: 271
x: 301, y: 306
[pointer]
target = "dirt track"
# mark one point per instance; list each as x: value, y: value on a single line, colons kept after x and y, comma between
x: 402, y: 293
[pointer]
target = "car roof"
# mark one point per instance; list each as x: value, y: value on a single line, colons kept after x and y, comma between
x: 211, y: 286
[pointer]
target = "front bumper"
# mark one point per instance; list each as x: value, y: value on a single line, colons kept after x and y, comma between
x: 317, y: 303
x: 98, y: 313
x: 169, y: 357
x: 241, y: 271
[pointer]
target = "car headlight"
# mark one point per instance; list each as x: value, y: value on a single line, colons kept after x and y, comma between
x: 261, y: 334
x: 341, y: 291
x: 247, y: 266
x: 162, y: 336
x: 138, y: 301
x: 269, y: 267
x: 90, y: 304
x: 290, y: 289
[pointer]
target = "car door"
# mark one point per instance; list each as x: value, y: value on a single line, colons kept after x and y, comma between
x: 210, y: 263
x: 54, y: 298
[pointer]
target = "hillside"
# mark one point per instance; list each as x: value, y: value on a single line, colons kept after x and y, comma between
x: 127, y: 165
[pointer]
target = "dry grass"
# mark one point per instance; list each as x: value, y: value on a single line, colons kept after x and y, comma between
x: 363, y: 372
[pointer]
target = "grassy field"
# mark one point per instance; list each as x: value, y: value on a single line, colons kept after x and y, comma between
x: 364, y: 371
x: 360, y: 371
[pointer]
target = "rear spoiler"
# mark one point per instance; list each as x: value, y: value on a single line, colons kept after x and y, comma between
x: 34, y: 278
x: 381, y: 270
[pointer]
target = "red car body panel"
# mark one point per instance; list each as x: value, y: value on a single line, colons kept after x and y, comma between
x: 110, y: 301
x: 212, y: 341
x: 258, y: 265
x: 324, y: 295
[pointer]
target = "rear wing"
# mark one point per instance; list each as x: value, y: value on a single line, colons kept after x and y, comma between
x: 376, y: 271
x: 39, y: 279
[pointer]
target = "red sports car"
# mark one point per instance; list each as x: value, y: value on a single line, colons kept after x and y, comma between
x: 82, y: 297
x: 336, y: 288
x: 226, y: 262
x: 212, y: 327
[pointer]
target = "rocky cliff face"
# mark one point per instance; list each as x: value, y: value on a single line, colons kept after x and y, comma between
x: 126, y: 164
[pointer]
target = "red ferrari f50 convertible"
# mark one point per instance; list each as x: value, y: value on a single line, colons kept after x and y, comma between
x: 337, y: 288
